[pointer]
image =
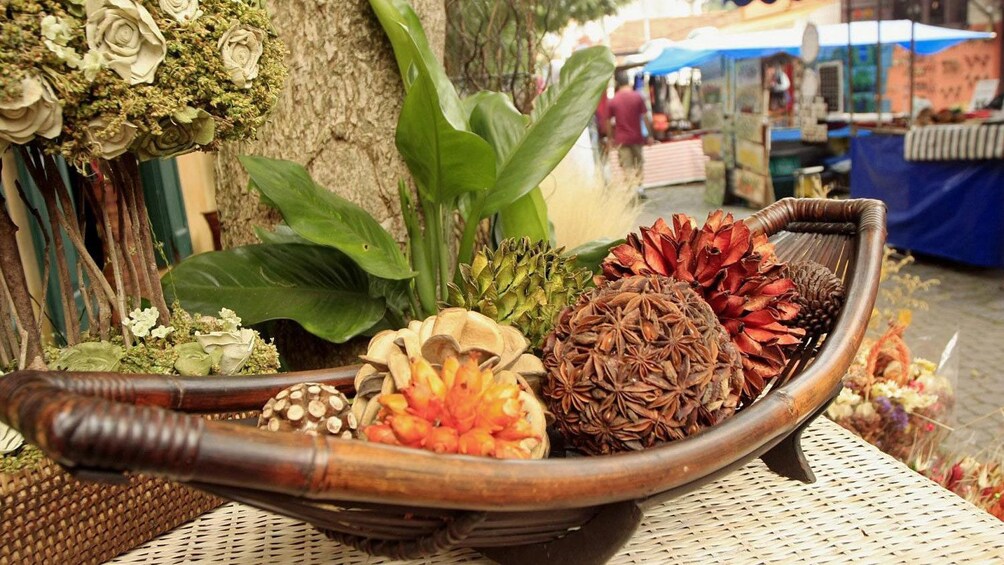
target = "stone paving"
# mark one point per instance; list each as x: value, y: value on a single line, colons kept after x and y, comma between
x: 968, y: 300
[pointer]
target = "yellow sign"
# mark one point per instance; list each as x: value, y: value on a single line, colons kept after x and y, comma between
x: 750, y: 127
x: 712, y: 144
x: 752, y: 156
x: 753, y: 187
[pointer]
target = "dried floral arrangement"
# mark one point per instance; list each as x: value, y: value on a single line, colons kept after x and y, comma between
x: 104, y: 84
x: 980, y: 480
x: 92, y: 79
x: 892, y: 400
x: 189, y: 345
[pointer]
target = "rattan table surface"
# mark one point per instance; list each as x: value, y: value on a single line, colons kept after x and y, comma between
x: 865, y: 507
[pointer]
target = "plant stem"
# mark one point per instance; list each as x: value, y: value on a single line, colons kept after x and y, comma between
x: 14, y: 281
x: 424, y: 283
x: 47, y: 261
x: 434, y: 237
x: 445, y: 276
x: 131, y: 165
x: 466, y: 252
x: 42, y: 181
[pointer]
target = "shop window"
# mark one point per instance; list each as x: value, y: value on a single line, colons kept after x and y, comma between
x: 831, y: 85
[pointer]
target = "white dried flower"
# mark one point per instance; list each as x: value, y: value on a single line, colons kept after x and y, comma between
x: 55, y: 30
x: 230, y: 319
x: 140, y: 322
x: 235, y: 348
x: 241, y: 48
x: 185, y: 11
x: 124, y: 33
x: 109, y: 144
x: 183, y: 132
x: 160, y: 332
x: 36, y: 112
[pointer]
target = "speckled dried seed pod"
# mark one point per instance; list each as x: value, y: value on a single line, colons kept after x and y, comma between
x: 310, y: 408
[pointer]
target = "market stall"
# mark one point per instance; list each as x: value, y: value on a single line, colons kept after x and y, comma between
x: 745, y: 80
x: 948, y: 208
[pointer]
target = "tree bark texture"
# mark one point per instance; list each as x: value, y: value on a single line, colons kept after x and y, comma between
x: 336, y: 115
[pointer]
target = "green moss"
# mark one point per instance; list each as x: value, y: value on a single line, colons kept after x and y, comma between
x: 192, y: 74
x: 29, y: 456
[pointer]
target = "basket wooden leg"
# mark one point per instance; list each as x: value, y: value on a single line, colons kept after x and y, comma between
x: 592, y: 544
x: 787, y: 458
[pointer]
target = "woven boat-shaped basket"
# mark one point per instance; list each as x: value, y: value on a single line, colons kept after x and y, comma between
x: 407, y: 503
x: 49, y: 516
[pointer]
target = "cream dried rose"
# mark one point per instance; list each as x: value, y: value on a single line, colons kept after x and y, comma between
x: 109, y: 144
x: 241, y: 48
x: 35, y: 112
x: 184, y: 11
x: 185, y: 131
x: 124, y: 34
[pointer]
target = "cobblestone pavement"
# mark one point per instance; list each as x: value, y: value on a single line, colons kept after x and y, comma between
x: 968, y: 300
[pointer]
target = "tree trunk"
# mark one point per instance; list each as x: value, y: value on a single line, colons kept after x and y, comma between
x: 336, y: 116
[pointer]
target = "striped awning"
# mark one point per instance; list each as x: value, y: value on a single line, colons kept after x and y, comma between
x: 954, y: 142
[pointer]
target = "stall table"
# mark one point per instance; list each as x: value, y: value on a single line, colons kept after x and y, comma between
x: 865, y: 507
x: 950, y: 209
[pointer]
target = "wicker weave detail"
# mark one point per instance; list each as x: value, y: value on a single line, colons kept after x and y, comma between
x: 48, y: 517
x: 447, y: 537
x: 866, y: 508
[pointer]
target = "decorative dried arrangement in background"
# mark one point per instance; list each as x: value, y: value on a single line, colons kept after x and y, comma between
x: 74, y: 87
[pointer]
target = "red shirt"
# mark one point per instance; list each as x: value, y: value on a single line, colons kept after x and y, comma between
x: 627, y: 108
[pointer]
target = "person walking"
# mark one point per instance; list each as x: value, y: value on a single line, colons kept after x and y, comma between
x: 625, y: 113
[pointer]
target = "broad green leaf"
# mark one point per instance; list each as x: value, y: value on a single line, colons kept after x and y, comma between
x: 560, y: 115
x: 591, y: 254
x: 526, y: 217
x: 414, y: 56
x: 494, y: 118
x: 318, y: 287
x: 446, y: 162
x: 325, y: 218
x: 282, y: 234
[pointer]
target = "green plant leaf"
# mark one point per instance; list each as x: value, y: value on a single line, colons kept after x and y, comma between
x: 319, y: 287
x: 282, y: 234
x: 414, y: 56
x: 560, y: 115
x: 494, y: 118
x: 526, y: 217
x: 589, y: 255
x: 446, y: 162
x: 325, y: 218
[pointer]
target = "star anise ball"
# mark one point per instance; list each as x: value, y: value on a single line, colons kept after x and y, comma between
x: 637, y: 362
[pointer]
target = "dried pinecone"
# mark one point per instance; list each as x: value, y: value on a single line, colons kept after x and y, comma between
x: 310, y: 408
x: 637, y: 362
x: 522, y: 284
x: 820, y: 297
x: 736, y: 272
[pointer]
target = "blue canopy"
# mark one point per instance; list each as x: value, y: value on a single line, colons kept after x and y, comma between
x: 927, y: 40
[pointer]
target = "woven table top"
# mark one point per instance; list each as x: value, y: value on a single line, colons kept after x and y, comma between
x: 865, y: 507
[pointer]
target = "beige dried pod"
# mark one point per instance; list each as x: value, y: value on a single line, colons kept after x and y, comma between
x: 310, y: 408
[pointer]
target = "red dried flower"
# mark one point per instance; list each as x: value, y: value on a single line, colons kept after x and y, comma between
x: 736, y: 272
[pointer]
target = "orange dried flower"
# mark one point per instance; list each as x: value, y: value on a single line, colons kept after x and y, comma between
x: 463, y: 409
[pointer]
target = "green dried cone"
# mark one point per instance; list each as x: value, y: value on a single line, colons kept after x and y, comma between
x: 522, y: 284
